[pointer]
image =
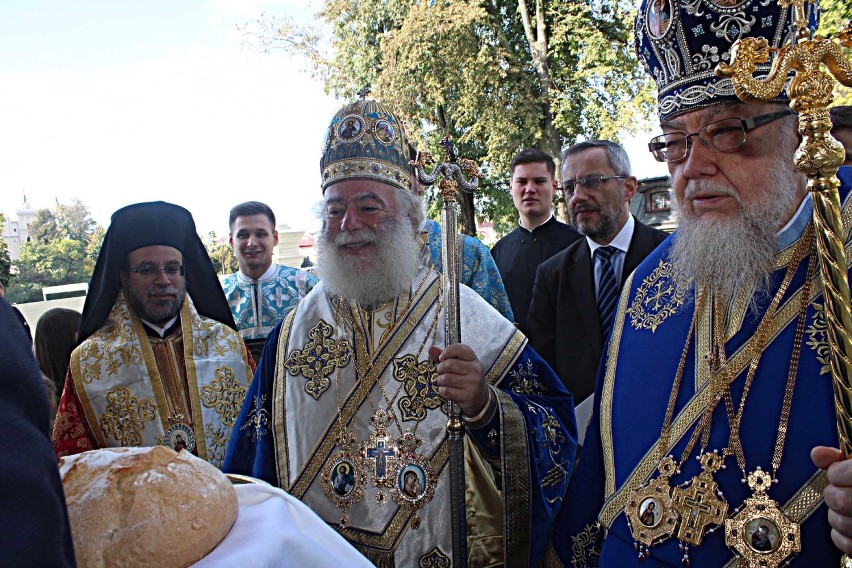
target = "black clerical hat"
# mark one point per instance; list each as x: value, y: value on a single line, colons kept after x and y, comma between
x: 148, y: 224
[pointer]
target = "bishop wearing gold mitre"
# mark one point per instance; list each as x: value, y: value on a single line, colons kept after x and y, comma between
x: 348, y: 410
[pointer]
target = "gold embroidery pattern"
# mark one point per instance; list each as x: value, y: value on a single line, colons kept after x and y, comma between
x: 818, y: 338
x: 125, y: 416
x: 207, y: 337
x: 516, y: 480
x: 552, y: 432
x: 524, y: 381
x: 807, y: 499
x: 585, y: 547
x: 618, y: 327
x: 511, y: 352
x: 554, y: 477
x: 216, y: 442
x: 319, y: 358
x: 550, y: 437
x: 69, y: 425
x: 225, y: 395
x: 435, y: 559
x: 125, y: 351
x: 656, y: 299
x: 417, y: 379
x: 256, y: 424
x: 388, y: 324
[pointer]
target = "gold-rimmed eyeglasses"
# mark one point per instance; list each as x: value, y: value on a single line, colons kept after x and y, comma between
x: 723, y: 135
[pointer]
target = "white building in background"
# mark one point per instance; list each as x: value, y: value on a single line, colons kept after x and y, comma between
x: 16, y: 231
x: 287, y: 250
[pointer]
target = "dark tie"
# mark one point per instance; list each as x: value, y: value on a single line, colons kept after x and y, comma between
x: 607, y: 288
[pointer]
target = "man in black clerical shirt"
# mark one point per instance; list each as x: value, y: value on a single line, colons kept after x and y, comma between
x: 538, y: 236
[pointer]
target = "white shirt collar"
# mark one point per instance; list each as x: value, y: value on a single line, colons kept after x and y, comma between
x: 161, y: 331
x: 621, y: 240
x: 521, y: 224
x: 273, y: 268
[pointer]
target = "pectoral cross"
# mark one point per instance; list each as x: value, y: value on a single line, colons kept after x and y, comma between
x: 700, y: 505
x: 382, y: 452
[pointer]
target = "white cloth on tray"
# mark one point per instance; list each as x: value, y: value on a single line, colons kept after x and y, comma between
x: 275, y: 529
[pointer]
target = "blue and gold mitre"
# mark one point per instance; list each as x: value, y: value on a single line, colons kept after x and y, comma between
x: 681, y: 42
x: 365, y: 140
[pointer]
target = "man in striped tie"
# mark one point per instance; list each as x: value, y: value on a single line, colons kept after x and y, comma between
x: 576, y: 291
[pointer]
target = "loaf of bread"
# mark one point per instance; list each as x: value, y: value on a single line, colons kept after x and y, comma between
x: 132, y: 507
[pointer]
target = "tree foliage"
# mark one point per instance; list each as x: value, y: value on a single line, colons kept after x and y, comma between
x: 835, y: 15
x: 62, y: 249
x: 221, y: 255
x: 497, y: 76
x: 5, y: 258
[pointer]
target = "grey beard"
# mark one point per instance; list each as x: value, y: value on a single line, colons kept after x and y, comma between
x: 605, y: 227
x: 394, y: 266
x: 733, y: 256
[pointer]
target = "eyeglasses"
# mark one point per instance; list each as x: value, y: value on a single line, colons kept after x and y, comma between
x: 589, y: 182
x: 720, y: 136
x: 151, y: 272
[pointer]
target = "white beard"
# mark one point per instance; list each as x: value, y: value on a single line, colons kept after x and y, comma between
x: 383, y: 277
x: 734, y: 255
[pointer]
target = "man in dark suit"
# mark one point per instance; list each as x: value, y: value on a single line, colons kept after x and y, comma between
x: 564, y: 322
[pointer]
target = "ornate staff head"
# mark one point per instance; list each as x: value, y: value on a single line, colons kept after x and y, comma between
x: 454, y: 174
x: 816, y: 63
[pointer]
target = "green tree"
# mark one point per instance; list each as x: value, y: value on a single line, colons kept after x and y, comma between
x: 72, y: 221
x: 94, y: 241
x: 5, y: 258
x: 62, y: 249
x: 221, y: 255
x: 835, y: 15
x: 75, y: 221
x: 44, y: 228
x: 61, y: 261
x: 495, y: 75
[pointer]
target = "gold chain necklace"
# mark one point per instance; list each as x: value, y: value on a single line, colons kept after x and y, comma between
x: 396, y: 464
x: 759, y: 531
x: 180, y: 434
x: 650, y: 513
x: 392, y: 463
x: 655, y: 511
x: 344, y: 476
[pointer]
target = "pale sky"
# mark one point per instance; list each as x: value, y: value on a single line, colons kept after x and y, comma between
x: 121, y: 101
x: 116, y: 102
